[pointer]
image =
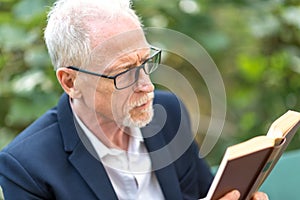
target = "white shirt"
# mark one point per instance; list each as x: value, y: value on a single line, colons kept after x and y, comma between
x: 129, y: 171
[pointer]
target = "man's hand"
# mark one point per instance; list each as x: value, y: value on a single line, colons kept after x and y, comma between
x: 235, y: 195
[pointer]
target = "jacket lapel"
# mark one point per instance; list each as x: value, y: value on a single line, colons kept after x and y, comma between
x: 82, y: 155
x: 159, y: 154
x: 93, y: 172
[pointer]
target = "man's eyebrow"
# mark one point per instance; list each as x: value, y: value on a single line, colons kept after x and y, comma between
x: 118, y: 68
x: 144, y: 58
x: 123, y: 62
x: 125, y: 66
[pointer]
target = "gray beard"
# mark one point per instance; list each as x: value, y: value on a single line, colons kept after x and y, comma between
x: 129, y: 122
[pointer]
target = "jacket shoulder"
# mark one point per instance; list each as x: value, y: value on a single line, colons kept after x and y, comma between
x: 33, y: 132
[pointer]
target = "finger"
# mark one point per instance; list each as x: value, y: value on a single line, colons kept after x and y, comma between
x: 233, y: 195
x: 260, y: 196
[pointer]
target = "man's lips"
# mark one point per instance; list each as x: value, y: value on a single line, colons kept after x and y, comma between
x: 144, y: 106
x: 142, y: 102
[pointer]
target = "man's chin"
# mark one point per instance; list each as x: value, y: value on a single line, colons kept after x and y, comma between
x: 131, y: 122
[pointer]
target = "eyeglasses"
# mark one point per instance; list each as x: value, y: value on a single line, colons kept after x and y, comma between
x: 128, y: 77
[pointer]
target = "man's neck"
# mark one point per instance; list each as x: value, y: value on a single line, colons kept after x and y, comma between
x: 108, y: 131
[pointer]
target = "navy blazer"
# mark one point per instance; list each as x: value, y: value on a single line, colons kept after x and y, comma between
x: 49, y: 159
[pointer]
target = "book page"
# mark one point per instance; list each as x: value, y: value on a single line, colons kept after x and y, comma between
x: 250, y: 146
x: 280, y: 127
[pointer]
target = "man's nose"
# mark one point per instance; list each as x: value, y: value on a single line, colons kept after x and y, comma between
x: 144, y: 82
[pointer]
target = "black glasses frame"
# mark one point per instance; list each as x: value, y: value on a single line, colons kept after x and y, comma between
x: 138, y: 68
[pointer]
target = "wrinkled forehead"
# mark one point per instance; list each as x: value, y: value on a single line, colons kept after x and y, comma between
x: 117, y: 46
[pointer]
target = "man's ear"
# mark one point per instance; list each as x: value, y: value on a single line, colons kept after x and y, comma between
x: 67, y: 79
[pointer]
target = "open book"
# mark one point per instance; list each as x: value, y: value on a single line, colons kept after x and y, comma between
x: 246, y: 165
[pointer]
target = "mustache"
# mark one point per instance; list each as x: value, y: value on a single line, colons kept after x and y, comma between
x: 142, y: 100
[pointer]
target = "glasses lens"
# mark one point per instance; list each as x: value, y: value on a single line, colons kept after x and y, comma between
x: 152, y: 64
x: 126, y: 79
x: 129, y: 77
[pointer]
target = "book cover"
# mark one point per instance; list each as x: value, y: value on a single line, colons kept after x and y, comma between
x: 246, y: 165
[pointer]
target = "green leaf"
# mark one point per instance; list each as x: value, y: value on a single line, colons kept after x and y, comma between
x: 251, y: 68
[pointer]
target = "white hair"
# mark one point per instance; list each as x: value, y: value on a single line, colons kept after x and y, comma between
x: 67, y: 34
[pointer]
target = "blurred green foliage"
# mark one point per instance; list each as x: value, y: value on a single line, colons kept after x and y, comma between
x: 254, y: 43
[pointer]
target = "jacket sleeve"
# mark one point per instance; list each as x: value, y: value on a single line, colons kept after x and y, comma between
x: 195, y: 181
x: 15, y: 181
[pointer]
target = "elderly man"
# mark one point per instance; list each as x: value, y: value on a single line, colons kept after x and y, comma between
x: 104, y: 140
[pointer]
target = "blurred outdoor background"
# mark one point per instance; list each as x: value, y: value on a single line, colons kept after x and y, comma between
x: 254, y: 43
